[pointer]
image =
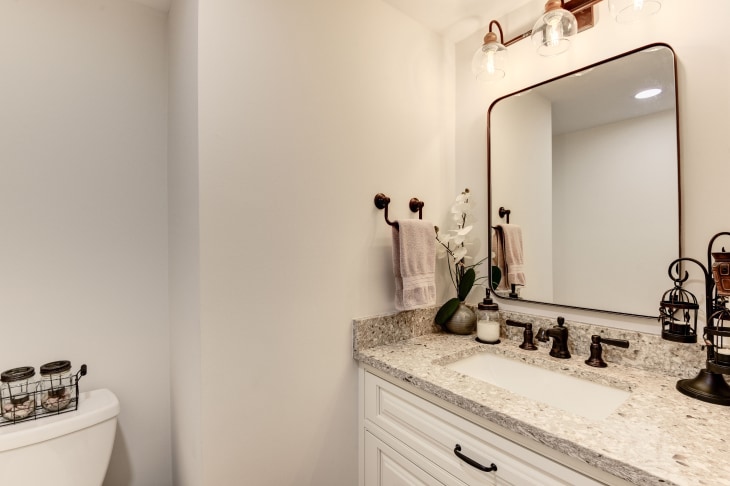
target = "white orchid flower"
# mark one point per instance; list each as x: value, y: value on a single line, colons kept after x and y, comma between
x: 460, y: 235
x: 461, y: 208
x: 459, y: 253
x: 462, y: 197
x: 456, y: 243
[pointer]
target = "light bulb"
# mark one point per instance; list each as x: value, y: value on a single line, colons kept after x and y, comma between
x: 489, y: 60
x: 553, y: 30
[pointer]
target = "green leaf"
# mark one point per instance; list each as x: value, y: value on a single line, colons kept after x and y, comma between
x: 446, y: 311
x: 467, y: 282
x: 496, y: 276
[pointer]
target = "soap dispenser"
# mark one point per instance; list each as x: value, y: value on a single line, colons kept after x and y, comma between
x: 488, y: 325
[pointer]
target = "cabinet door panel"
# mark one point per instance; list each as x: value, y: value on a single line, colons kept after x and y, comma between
x: 384, y: 466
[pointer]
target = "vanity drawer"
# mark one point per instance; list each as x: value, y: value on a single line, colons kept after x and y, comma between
x: 393, y: 464
x: 434, y: 432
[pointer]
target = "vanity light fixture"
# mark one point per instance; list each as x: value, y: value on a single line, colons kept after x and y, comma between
x: 488, y: 63
x: 648, y: 93
x: 625, y: 11
x: 554, y: 30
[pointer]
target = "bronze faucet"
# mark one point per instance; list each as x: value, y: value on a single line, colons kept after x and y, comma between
x: 596, y: 359
x: 559, y: 334
x: 527, y: 343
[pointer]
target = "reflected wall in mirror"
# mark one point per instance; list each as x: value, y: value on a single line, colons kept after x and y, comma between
x: 590, y: 173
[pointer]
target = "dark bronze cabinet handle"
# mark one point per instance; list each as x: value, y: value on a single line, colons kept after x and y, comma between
x: 472, y: 462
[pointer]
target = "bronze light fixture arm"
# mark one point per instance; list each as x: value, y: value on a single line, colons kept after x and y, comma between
x: 580, y: 8
x: 499, y: 28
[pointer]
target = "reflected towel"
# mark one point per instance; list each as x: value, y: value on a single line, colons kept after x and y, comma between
x: 414, y: 264
x: 507, y: 244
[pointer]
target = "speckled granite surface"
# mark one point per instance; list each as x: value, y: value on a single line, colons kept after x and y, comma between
x: 658, y: 436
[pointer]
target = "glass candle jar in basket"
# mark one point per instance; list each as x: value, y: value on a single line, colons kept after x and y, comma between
x: 56, y: 385
x: 17, y: 392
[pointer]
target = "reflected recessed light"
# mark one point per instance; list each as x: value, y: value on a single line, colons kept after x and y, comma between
x: 647, y: 93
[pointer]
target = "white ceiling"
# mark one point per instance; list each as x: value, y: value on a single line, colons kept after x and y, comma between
x: 444, y: 15
x: 438, y: 15
x: 605, y: 94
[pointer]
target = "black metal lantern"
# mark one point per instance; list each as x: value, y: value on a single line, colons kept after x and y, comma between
x: 709, y: 385
x: 678, y: 311
x: 717, y: 337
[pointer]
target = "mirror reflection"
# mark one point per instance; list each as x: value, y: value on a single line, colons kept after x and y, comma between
x: 588, y: 168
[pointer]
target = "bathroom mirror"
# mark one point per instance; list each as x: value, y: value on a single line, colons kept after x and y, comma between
x: 590, y: 174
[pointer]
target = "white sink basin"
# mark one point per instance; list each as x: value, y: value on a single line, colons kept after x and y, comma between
x: 565, y: 392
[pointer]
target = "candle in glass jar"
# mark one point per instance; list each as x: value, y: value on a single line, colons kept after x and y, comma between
x: 488, y: 331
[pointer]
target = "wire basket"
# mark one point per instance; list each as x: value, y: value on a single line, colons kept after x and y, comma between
x: 33, y: 400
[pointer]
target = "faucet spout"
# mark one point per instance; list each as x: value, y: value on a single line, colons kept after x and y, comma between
x: 559, y: 334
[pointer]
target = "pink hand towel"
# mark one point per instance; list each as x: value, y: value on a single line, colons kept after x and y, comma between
x: 507, y: 244
x: 414, y: 264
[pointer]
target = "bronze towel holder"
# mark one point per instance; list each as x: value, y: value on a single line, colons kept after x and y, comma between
x: 382, y: 201
x: 504, y: 212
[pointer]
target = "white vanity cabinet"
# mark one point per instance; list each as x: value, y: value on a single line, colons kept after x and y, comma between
x: 385, y: 466
x: 407, y: 440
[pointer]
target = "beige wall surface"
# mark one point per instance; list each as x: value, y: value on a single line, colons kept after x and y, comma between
x: 83, y: 210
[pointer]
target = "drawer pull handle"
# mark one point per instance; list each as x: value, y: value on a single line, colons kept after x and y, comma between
x: 472, y: 462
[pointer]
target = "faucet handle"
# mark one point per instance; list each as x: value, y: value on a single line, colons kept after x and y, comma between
x: 561, y: 321
x: 527, y: 343
x: 542, y: 335
x: 596, y: 358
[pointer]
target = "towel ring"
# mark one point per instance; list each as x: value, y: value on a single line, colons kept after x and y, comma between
x: 382, y: 201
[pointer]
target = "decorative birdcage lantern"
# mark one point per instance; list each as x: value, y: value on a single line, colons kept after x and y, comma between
x: 679, y: 315
x: 717, y: 337
x: 678, y: 311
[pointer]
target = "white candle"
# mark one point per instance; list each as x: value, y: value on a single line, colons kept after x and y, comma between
x: 725, y: 352
x: 488, y: 331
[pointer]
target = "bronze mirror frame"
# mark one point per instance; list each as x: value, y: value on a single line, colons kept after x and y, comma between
x: 491, y: 204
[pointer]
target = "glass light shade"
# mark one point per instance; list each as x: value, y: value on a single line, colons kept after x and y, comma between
x: 625, y: 11
x: 488, y: 63
x: 554, y: 30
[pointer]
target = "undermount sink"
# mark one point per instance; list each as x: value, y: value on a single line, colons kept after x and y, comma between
x: 575, y: 395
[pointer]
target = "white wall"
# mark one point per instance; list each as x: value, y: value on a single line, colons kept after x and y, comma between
x: 704, y: 102
x: 641, y: 168
x: 83, y: 213
x: 527, y: 189
x: 184, y: 248
x: 307, y: 110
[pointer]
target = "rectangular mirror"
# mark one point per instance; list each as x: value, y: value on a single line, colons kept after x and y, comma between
x: 590, y: 173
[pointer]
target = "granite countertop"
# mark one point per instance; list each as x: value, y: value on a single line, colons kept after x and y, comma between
x: 656, y: 436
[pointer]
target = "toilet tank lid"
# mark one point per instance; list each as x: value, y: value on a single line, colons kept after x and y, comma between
x: 94, y: 407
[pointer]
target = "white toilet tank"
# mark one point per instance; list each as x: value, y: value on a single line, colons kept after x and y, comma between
x: 70, y: 449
